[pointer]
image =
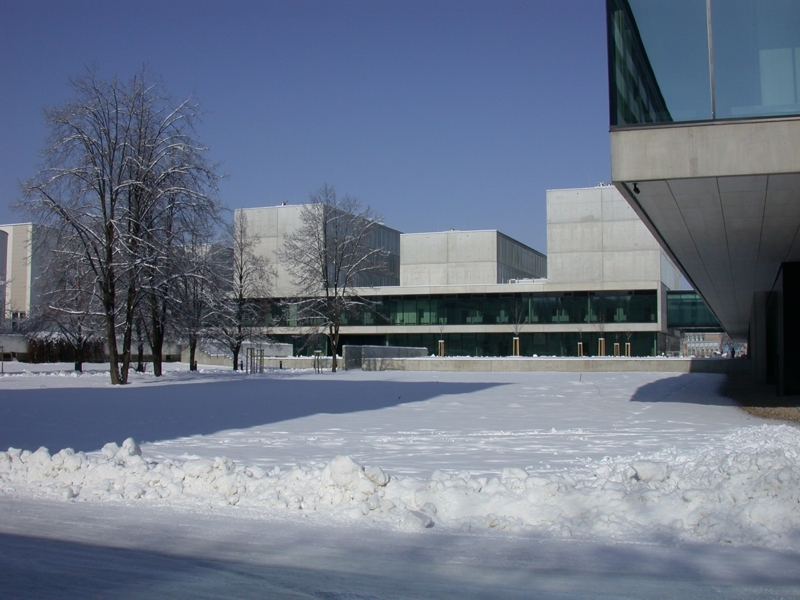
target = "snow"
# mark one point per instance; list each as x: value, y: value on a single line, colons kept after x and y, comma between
x: 586, y: 460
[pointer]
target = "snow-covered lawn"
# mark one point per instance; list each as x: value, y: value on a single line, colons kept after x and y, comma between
x: 646, y: 468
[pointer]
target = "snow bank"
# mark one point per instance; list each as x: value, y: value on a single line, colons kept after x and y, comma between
x: 743, y: 491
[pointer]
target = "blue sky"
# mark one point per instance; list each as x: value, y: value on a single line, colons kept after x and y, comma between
x: 436, y: 113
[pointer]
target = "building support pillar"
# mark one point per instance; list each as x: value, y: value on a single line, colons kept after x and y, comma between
x: 789, y: 329
x: 757, y: 337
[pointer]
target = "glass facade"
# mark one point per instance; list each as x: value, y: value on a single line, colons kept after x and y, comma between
x: 687, y: 310
x: 645, y: 343
x: 639, y: 306
x: 695, y: 60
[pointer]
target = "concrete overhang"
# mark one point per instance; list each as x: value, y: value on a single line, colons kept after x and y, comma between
x: 723, y: 199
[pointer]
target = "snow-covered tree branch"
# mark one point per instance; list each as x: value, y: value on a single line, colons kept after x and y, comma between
x: 122, y: 179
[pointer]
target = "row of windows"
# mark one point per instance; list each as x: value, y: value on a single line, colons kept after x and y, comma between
x: 500, y: 344
x: 516, y: 261
x: 511, y: 309
x: 686, y: 309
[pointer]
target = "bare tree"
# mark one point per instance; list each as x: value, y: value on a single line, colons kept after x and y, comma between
x: 179, y: 234
x: 518, y: 318
x: 117, y: 157
x: 241, y: 313
x: 199, y: 292
x: 333, y: 252
x: 69, y: 308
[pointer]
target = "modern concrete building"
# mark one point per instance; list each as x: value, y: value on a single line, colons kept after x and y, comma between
x: 606, y: 288
x: 476, y: 290
x: 595, y: 239
x: 22, y: 269
x: 705, y: 145
x: 467, y: 257
x: 271, y: 224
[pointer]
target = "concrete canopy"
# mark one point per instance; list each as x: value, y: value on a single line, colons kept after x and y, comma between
x: 723, y: 198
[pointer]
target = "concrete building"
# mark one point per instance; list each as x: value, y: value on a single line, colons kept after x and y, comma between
x: 705, y: 145
x: 22, y: 269
x: 606, y: 288
x: 595, y: 239
x: 271, y: 224
x: 703, y: 344
x: 475, y: 290
x: 466, y: 257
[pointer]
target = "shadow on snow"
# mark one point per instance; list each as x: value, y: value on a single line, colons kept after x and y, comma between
x: 690, y: 388
x: 86, y: 418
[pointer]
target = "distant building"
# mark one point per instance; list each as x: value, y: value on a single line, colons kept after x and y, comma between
x: 601, y: 290
x: 271, y: 224
x: 22, y: 267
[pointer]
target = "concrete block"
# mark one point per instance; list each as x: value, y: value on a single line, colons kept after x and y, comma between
x: 627, y: 236
x: 574, y: 237
x: 583, y: 205
x: 471, y: 273
x: 706, y: 150
x: 627, y: 266
x: 471, y: 246
x: 423, y: 248
x: 576, y: 267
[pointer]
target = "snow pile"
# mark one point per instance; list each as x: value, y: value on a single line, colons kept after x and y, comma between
x: 744, y: 491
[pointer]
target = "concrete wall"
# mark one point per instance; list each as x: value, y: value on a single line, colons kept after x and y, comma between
x: 466, y: 258
x: 17, y: 268
x: 358, y: 357
x: 271, y: 225
x: 448, y: 258
x: 274, y: 349
x: 12, y: 343
x: 567, y: 365
x: 594, y: 237
x: 717, y: 149
x: 22, y: 265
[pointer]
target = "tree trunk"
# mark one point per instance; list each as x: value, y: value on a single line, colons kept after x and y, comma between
x: 235, y: 358
x: 140, y: 357
x: 157, y: 360
x: 157, y: 348
x: 79, y: 357
x: 127, y: 337
x: 157, y: 337
x: 125, y: 367
x: 192, y: 351
x: 334, y: 346
x: 113, y: 355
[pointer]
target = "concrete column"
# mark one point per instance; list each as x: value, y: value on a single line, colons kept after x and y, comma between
x: 789, y: 381
x: 757, y: 339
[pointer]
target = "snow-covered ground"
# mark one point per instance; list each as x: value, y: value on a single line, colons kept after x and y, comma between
x: 383, y: 485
